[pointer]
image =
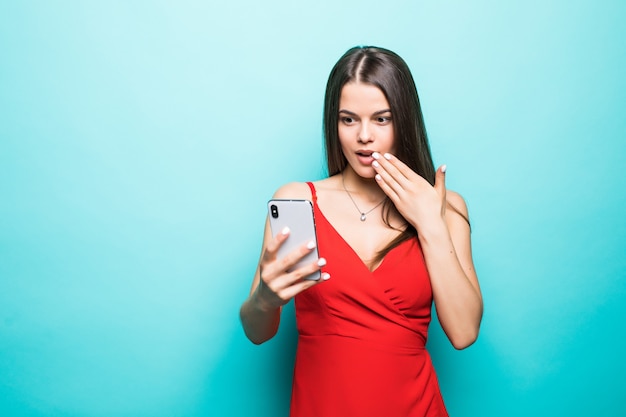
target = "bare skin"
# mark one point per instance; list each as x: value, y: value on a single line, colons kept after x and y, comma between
x: 373, y: 174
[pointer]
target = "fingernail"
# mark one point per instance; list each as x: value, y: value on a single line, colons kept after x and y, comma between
x: 321, y: 262
x: 285, y: 230
x: 375, y: 155
x: 375, y: 164
x: 443, y: 168
x: 310, y: 245
x: 387, y: 156
x: 325, y: 276
x: 378, y: 177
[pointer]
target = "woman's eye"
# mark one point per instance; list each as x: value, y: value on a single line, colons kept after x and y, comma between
x: 383, y: 120
x: 347, y: 120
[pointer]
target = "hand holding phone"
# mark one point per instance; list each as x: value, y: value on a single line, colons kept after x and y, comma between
x: 298, y: 216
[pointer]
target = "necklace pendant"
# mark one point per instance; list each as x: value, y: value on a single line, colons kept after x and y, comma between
x: 363, y: 217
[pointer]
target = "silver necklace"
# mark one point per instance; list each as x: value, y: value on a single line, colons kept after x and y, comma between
x: 363, y: 213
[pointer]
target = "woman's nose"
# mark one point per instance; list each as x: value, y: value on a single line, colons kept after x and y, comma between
x: 365, y: 134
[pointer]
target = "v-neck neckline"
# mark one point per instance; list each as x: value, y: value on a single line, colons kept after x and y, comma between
x: 371, y: 271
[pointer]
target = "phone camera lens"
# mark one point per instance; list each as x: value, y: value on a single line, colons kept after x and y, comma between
x: 274, y: 211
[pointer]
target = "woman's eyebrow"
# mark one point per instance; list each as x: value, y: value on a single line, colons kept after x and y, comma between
x: 379, y: 112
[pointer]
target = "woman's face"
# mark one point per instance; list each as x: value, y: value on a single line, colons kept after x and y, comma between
x: 365, y: 126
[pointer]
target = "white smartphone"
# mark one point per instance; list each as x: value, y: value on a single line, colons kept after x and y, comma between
x: 298, y: 216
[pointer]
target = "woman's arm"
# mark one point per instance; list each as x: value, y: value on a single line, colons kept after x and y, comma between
x: 272, y: 285
x: 259, y: 318
x: 447, y: 251
x: 445, y: 239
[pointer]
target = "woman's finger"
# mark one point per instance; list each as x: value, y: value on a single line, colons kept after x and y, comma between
x: 394, y: 167
x: 400, y: 166
x: 299, y: 286
x: 298, y: 277
x: 271, y: 250
x: 293, y: 257
x: 285, y: 286
x: 440, y: 180
x: 273, y: 266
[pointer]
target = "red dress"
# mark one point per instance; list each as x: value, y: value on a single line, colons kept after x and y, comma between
x: 362, y: 335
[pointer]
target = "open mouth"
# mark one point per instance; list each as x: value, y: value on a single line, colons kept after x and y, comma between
x: 365, y: 156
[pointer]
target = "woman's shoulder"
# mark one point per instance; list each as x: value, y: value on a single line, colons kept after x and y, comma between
x: 301, y: 190
x: 293, y: 191
x: 455, y: 199
x: 458, y: 214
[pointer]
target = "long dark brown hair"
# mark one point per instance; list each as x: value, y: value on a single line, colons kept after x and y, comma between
x: 387, y: 71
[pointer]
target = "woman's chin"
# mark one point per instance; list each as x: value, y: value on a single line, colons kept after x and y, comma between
x: 365, y: 173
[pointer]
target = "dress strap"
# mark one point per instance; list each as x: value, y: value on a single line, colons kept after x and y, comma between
x: 313, y: 195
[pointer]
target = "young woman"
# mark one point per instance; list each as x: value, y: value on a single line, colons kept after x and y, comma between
x: 391, y: 241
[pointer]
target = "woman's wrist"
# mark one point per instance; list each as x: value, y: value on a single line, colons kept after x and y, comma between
x: 259, y: 304
x: 433, y: 231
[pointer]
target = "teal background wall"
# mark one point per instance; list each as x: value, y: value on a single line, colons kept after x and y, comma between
x: 140, y: 140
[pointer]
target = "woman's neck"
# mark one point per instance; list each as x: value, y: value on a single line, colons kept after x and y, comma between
x: 366, y: 188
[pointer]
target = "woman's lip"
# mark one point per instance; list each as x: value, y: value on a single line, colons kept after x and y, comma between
x: 365, y: 158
